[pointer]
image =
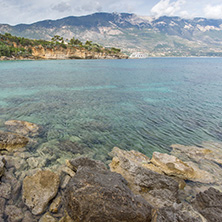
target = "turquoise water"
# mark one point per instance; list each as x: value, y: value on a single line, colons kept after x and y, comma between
x: 90, y: 106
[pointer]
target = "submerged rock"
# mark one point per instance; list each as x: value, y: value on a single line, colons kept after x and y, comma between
x: 157, y: 189
x: 39, y: 189
x: 23, y: 127
x: 11, y: 141
x: 96, y: 194
x: 209, y: 204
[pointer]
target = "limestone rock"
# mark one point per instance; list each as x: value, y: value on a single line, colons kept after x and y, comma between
x: 157, y: 189
x: 37, y: 162
x: 65, y: 181
x: 12, y: 141
x: 23, y: 127
x: 39, y: 189
x: 173, y: 166
x: 2, y: 166
x: 47, y: 218
x: 96, y: 194
x: 66, y: 218
x: 55, y: 205
x: 209, y: 204
x: 14, y: 213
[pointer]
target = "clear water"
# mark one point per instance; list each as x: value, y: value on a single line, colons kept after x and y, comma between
x: 145, y: 105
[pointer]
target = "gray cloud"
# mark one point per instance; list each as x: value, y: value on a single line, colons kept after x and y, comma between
x: 61, y: 7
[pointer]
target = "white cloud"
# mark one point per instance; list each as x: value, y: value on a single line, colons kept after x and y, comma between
x: 213, y: 11
x: 166, y: 7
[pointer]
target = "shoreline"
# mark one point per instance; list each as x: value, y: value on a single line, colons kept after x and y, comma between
x: 164, y: 183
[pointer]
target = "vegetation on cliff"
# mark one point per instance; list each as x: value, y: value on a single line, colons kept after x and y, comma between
x: 13, y: 46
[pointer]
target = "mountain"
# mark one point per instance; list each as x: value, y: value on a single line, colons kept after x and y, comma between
x: 164, y: 36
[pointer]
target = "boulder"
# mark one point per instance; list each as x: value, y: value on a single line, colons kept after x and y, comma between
x: 209, y: 204
x: 159, y: 190
x: 23, y: 127
x: 12, y: 141
x: 96, y: 194
x: 39, y: 189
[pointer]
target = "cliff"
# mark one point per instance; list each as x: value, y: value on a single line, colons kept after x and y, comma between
x: 13, y: 48
x: 40, y: 52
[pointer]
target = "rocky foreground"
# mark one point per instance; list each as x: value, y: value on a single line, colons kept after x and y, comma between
x: 184, y: 185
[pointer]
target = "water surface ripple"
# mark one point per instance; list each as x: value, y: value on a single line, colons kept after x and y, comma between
x: 145, y: 105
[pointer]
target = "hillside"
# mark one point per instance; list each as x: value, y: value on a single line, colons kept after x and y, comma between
x: 165, y: 36
x: 12, y: 47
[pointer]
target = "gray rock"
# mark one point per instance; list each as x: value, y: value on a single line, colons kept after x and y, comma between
x: 209, y: 204
x: 96, y: 194
x: 169, y: 214
x: 2, y: 206
x: 28, y: 217
x: 5, y: 190
x: 13, y: 213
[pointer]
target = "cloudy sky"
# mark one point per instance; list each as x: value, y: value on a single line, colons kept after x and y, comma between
x: 28, y: 11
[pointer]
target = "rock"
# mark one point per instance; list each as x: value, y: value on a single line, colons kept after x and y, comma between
x: 68, y: 171
x: 96, y: 194
x: 22, y: 127
x: 39, y: 189
x: 159, y: 190
x: 5, y: 190
x: 2, y: 205
x: 55, y: 205
x: 66, y: 218
x: 173, y: 166
x: 169, y: 214
x: 14, y: 213
x: 47, y: 218
x: 65, y: 181
x: 37, y: 162
x: 209, y: 204
x: 2, y: 166
x: 17, y: 162
x: 74, y: 164
x: 208, y: 159
x: 12, y: 141
x: 28, y: 217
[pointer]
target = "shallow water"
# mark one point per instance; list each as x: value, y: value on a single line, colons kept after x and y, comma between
x: 145, y: 105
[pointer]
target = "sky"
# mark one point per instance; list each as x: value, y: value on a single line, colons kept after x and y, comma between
x: 29, y: 11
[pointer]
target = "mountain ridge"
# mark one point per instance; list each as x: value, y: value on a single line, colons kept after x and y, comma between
x: 163, y: 36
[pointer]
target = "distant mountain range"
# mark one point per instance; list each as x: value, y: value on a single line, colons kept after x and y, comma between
x: 164, y: 36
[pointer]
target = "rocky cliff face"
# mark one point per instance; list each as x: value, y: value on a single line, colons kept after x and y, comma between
x: 72, y: 53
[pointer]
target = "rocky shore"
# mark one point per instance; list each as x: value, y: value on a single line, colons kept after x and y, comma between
x: 183, y: 185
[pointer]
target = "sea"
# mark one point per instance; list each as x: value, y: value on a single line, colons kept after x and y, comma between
x: 87, y: 107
